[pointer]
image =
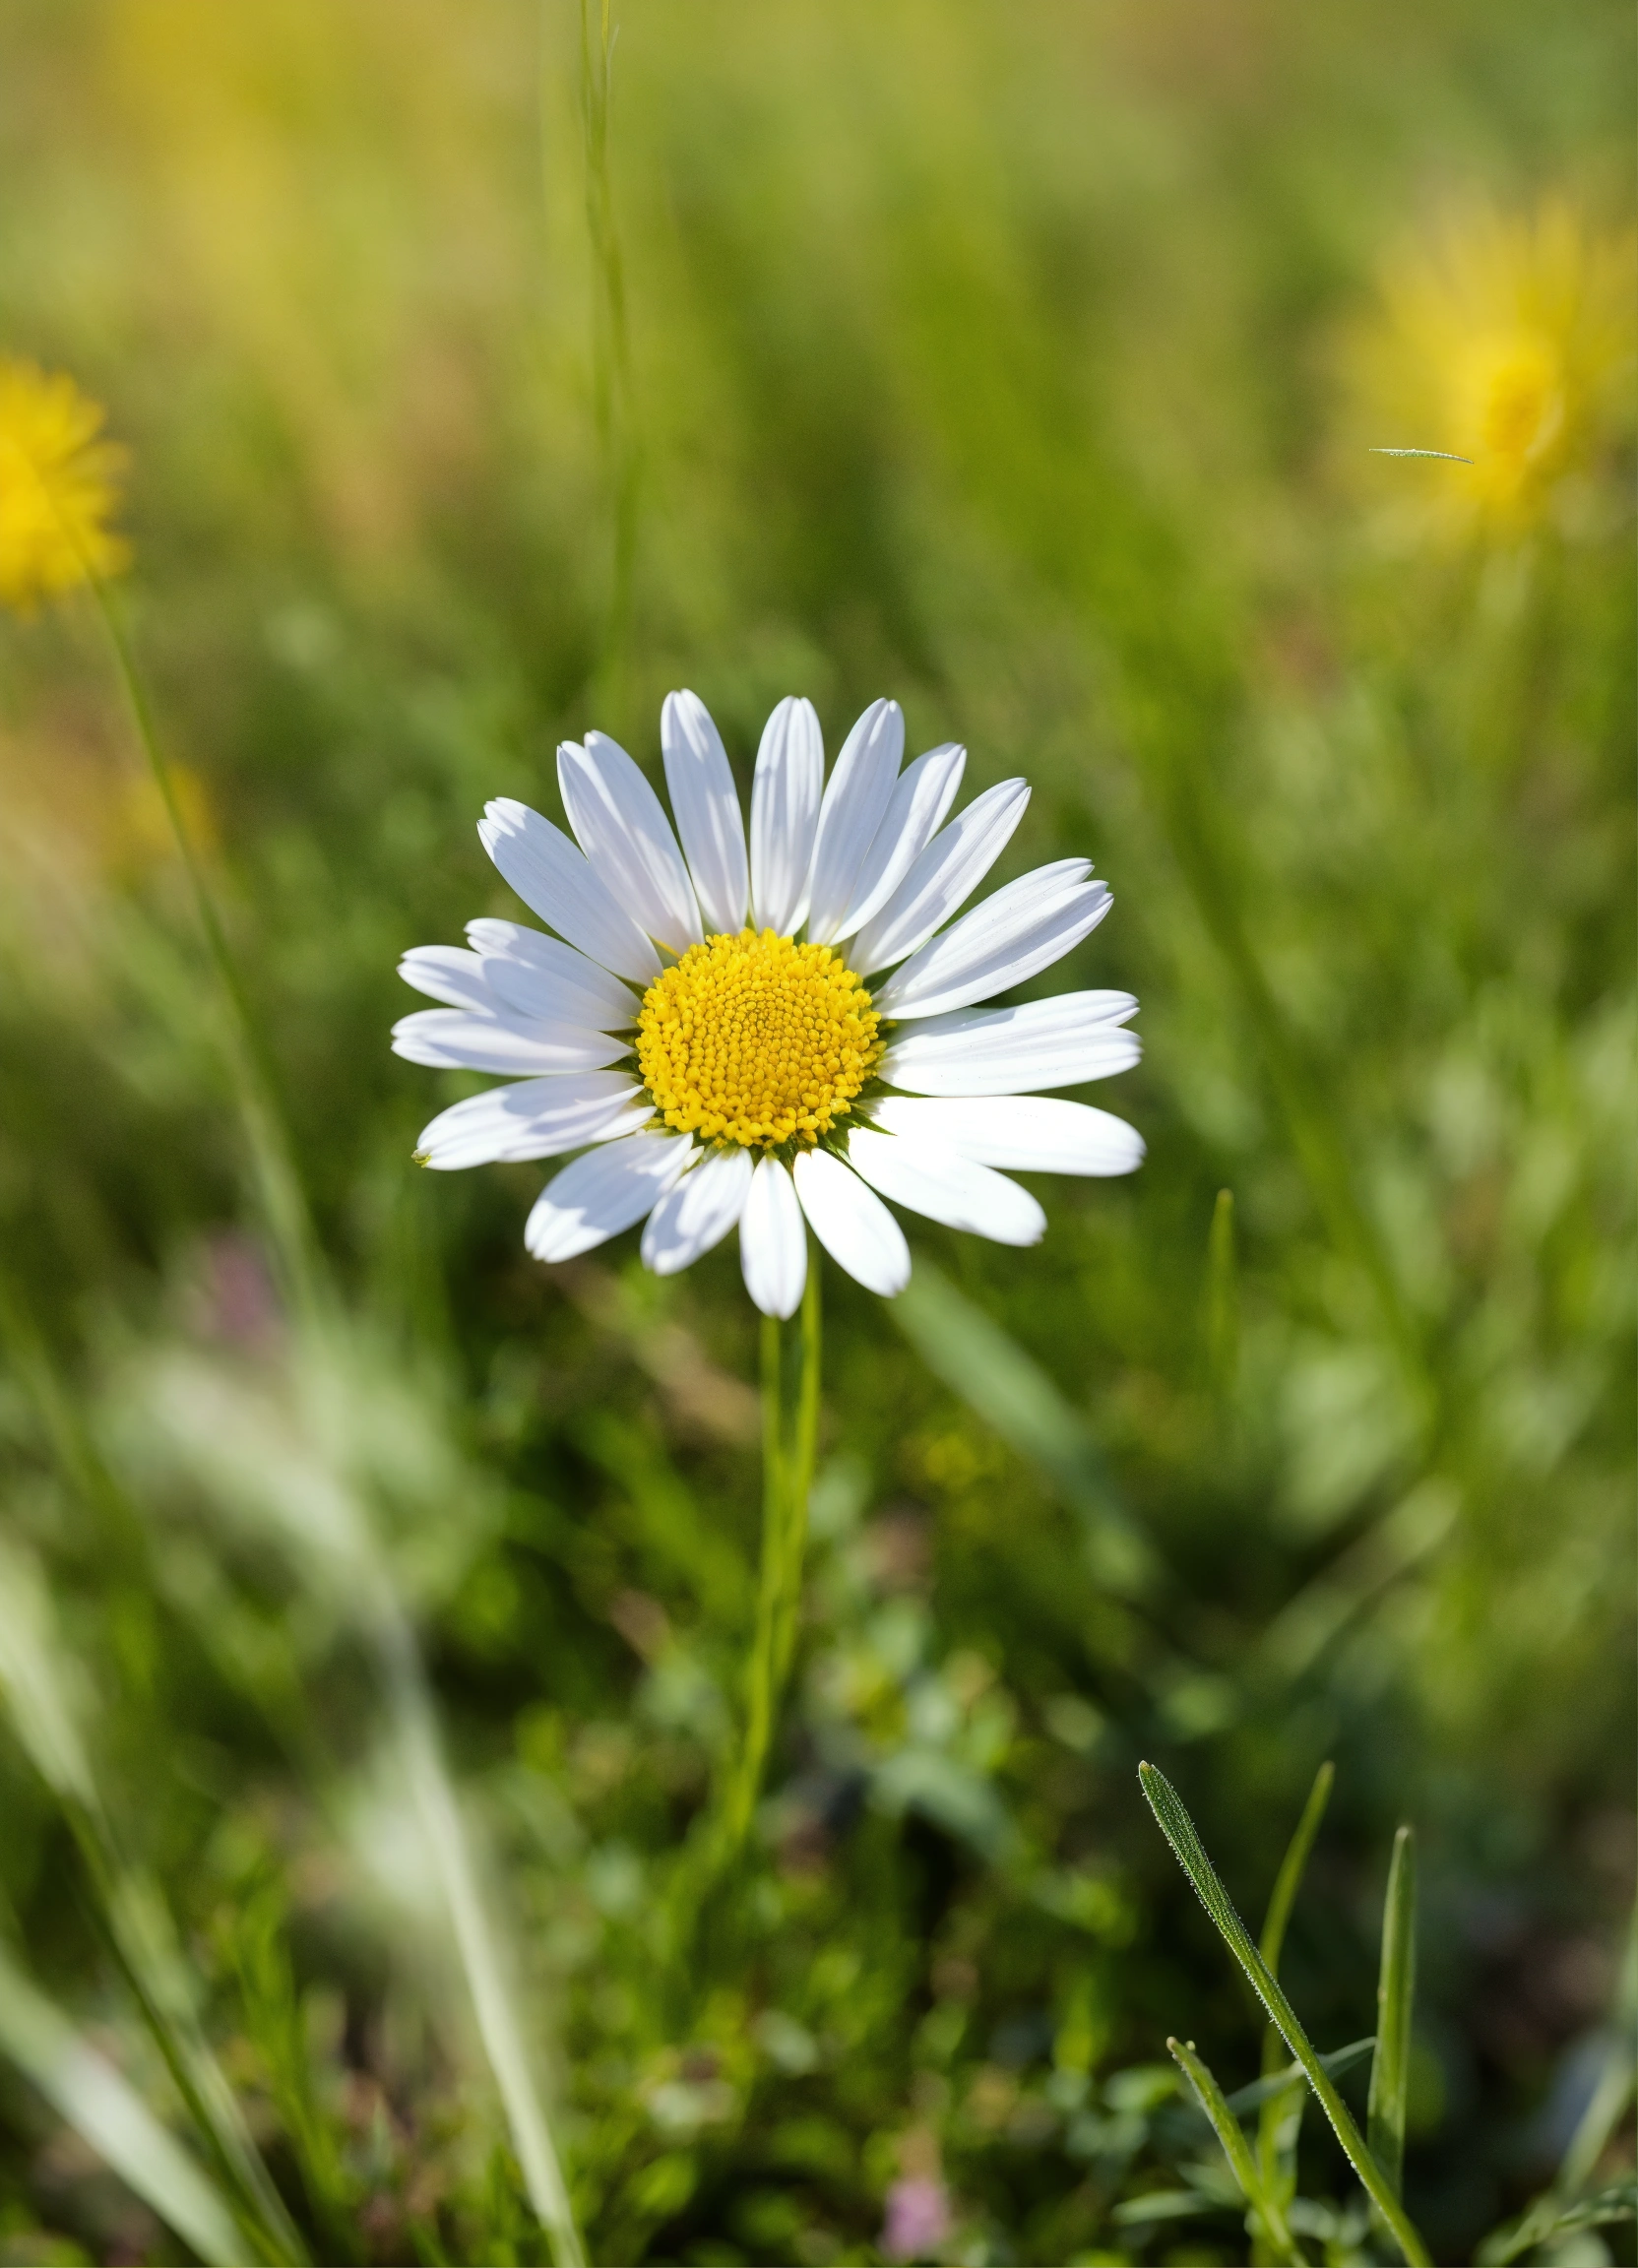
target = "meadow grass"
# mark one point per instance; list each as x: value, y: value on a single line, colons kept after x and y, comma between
x: 377, y: 1604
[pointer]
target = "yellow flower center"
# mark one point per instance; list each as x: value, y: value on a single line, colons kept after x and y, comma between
x: 756, y: 1040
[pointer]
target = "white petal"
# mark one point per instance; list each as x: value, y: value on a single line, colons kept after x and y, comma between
x: 854, y: 806
x: 931, y: 1178
x: 621, y: 826
x: 536, y: 1118
x: 1058, y: 1042
x: 697, y: 1213
x: 706, y: 806
x: 924, y: 791
x: 449, y: 1038
x: 553, y: 878
x: 449, y: 973
x: 852, y: 1223
x: 535, y: 975
x: 772, y: 1241
x: 943, y: 877
x: 1012, y: 937
x: 603, y: 1192
x: 785, y: 811
x: 1027, y: 1133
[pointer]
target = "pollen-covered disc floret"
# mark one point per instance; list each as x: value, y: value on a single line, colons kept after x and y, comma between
x: 756, y: 1040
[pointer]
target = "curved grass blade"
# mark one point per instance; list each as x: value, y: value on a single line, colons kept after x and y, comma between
x: 106, y: 2112
x: 1179, y: 1831
x: 1396, y: 1989
x: 1267, y: 2207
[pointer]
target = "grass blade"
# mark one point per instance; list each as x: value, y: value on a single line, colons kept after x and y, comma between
x: 1012, y: 1394
x: 42, y: 1688
x: 1396, y: 1989
x: 1222, y: 1298
x: 1277, y: 2128
x: 105, y: 2111
x: 1179, y: 1831
x: 1339, y: 2062
x: 1236, y: 2149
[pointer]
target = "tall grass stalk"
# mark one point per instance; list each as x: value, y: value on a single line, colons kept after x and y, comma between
x: 447, y: 1840
x: 279, y: 1194
x: 612, y: 393
x: 1179, y: 1831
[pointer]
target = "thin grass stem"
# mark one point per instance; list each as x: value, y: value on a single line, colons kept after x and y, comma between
x: 1396, y: 1988
x: 278, y: 1188
x: 1179, y: 1831
x: 1265, y: 2203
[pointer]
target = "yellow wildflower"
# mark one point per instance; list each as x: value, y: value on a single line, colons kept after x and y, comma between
x: 57, y: 487
x: 1506, y: 342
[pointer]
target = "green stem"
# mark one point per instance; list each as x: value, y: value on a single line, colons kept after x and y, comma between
x: 1179, y: 1831
x: 789, y: 1437
x: 284, y: 1205
x: 1263, y: 2201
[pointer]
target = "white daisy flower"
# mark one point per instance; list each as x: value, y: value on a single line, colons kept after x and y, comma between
x: 759, y: 1035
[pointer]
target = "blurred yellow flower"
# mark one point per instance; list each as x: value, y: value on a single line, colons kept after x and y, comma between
x: 58, y: 486
x: 1504, y: 341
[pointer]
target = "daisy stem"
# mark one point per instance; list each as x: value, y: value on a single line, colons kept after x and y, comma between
x: 284, y: 1204
x: 790, y: 1361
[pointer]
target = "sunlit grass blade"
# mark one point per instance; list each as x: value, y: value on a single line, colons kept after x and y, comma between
x: 102, y: 2105
x: 1281, y: 2117
x: 1396, y: 1989
x: 1222, y: 1298
x: 1012, y: 1394
x: 479, y: 1948
x: 43, y: 1688
x: 1236, y: 2149
x: 1179, y: 1831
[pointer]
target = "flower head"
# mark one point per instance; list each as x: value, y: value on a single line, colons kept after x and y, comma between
x: 1502, y: 341
x: 58, y: 486
x: 776, y: 1026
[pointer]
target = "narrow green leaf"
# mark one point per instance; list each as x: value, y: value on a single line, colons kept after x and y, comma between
x: 1223, y: 1297
x: 1179, y: 1831
x: 1445, y: 456
x: 1282, y: 2117
x: 1338, y: 2064
x: 1236, y: 2149
x: 1013, y: 1395
x: 1294, y: 1867
x: 1396, y: 1990
x: 106, y: 2112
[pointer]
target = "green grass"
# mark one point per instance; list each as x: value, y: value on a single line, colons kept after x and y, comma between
x: 393, y: 1640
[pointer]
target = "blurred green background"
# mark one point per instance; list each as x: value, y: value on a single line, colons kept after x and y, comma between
x: 1022, y: 363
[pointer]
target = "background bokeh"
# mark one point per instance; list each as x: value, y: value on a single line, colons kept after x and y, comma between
x: 1022, y: 363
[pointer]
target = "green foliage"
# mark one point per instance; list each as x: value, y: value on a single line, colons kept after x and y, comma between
x: 386, y: 1614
